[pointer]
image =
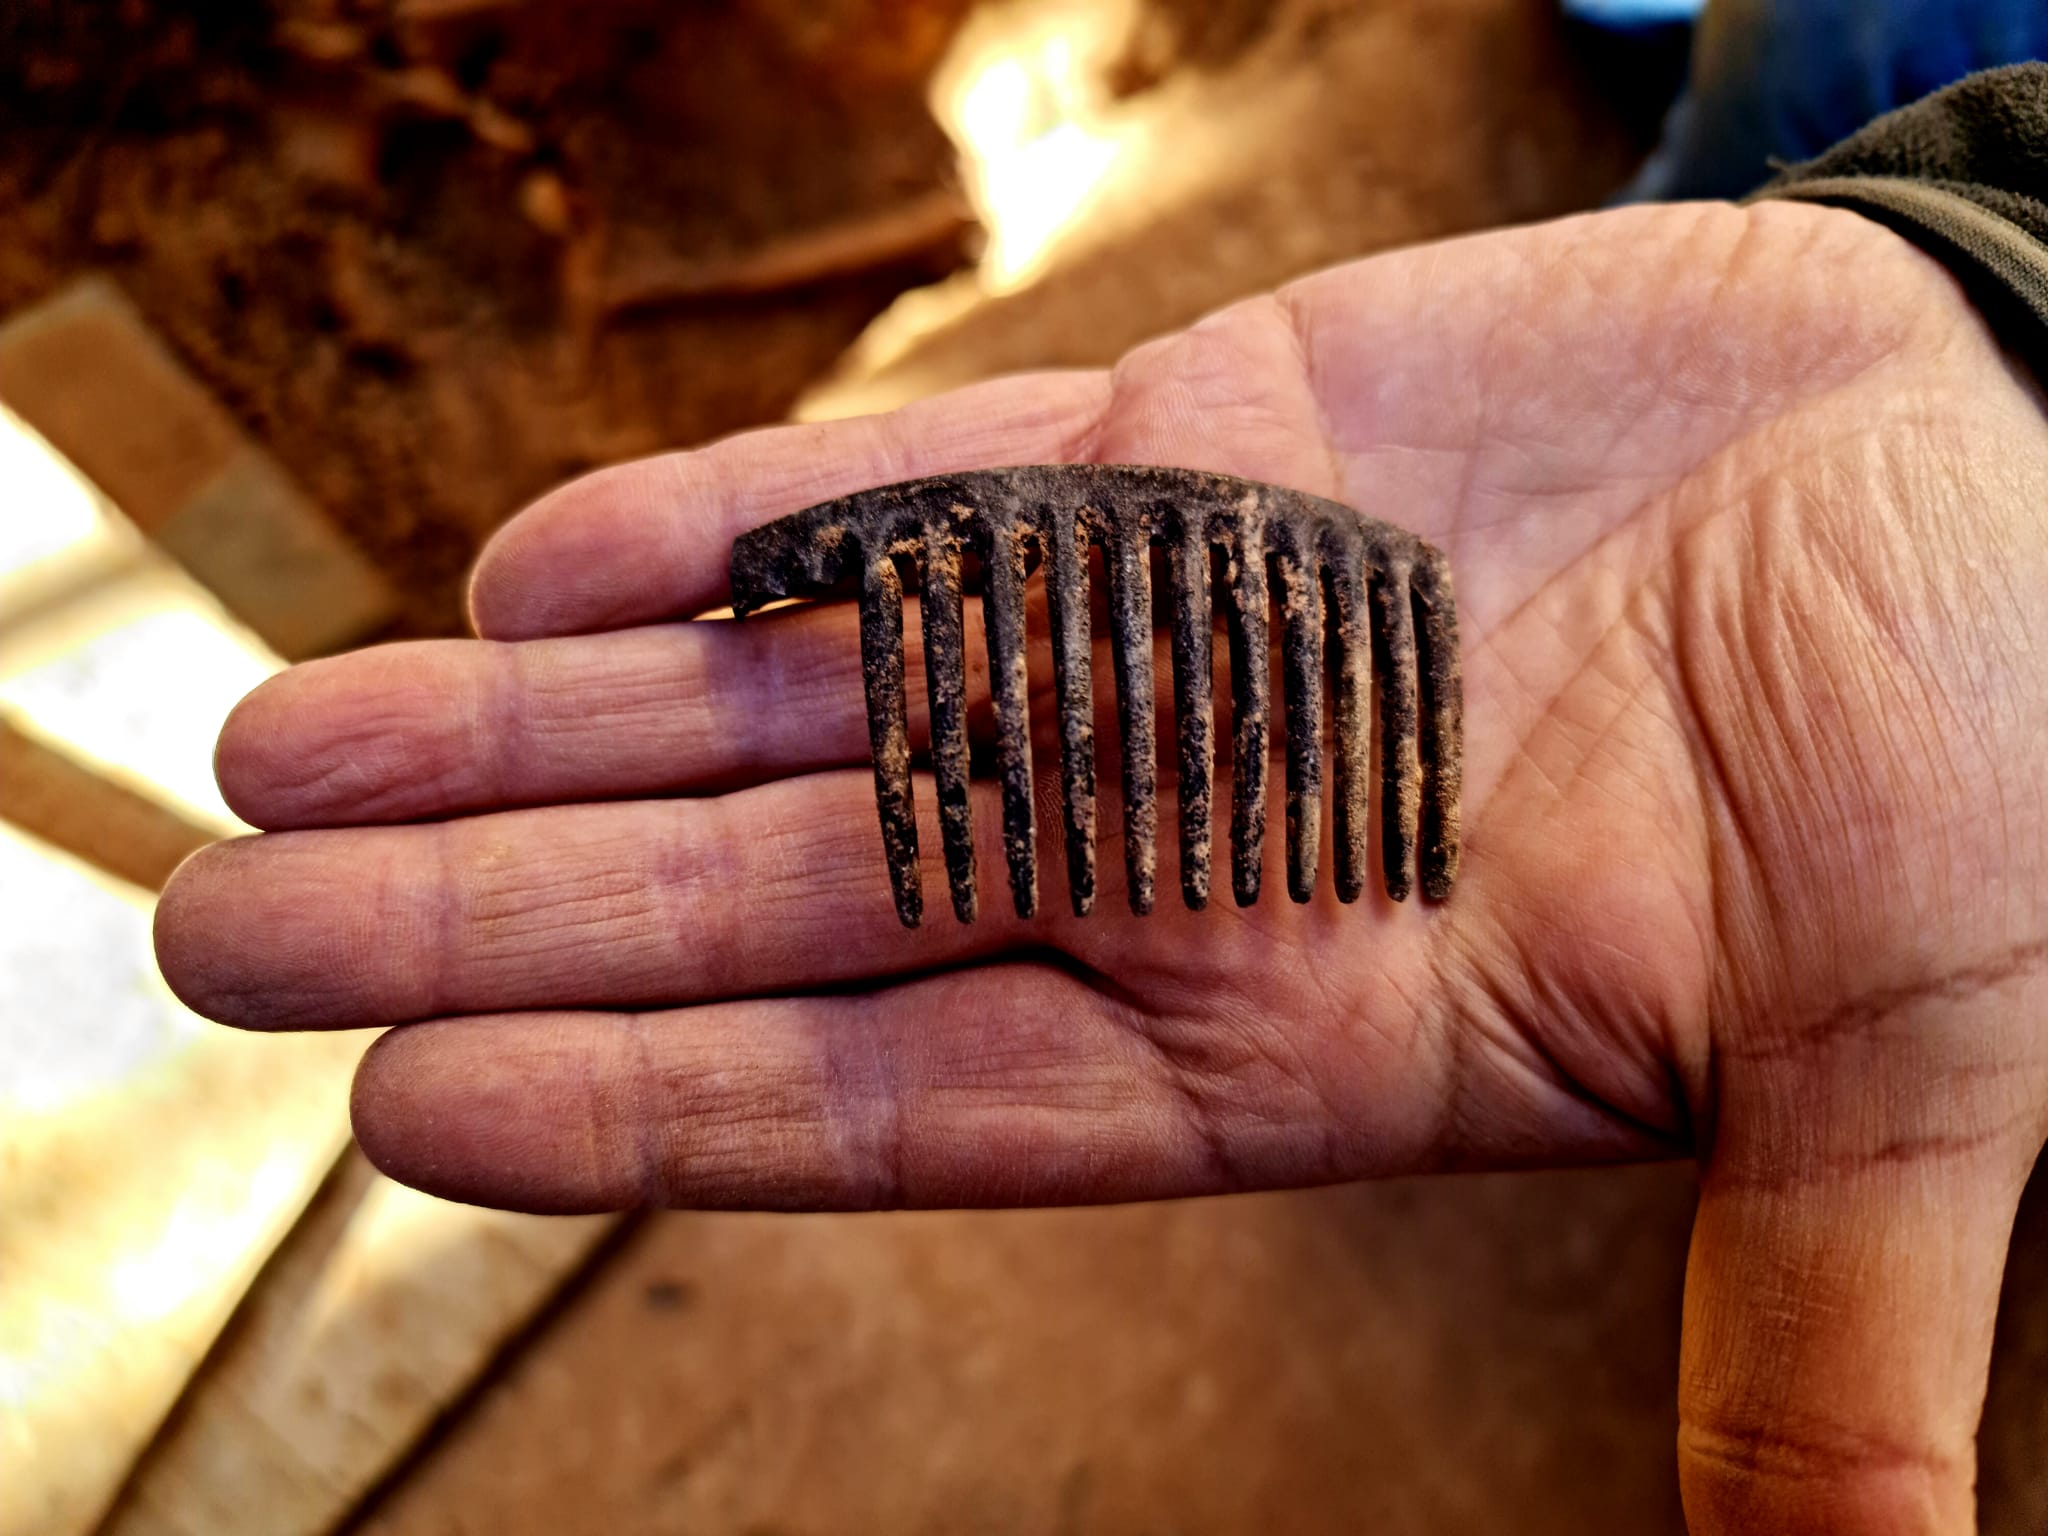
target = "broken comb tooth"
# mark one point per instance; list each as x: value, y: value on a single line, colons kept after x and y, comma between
x: 1382, y: 596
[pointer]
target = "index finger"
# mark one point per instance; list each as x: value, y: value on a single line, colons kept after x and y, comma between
x: 650, y: 540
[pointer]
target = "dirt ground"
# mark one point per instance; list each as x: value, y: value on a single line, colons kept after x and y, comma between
x: 1493, y: 1353
x: 439, y: 257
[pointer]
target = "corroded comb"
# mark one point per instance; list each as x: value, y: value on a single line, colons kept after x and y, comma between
x: 1389, y: 615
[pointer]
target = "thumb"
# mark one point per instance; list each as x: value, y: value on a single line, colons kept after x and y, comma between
x: 1841, y: 1291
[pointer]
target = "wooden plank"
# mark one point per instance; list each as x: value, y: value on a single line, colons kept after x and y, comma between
x: 375, y: 1316
x: 90, y: 375
x: 152, y: 1163
x: 47, y: 792
x: 375, y: 1313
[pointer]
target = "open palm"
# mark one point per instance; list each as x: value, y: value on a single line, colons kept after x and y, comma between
x: 1745, y: 514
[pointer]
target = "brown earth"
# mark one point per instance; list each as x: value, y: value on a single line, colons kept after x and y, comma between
x: 440, y: 256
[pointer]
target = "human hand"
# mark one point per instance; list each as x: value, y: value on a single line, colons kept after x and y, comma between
x: 1745, y: 511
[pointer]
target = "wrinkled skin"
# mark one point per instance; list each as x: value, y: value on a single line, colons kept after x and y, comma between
x: 1746, y: 511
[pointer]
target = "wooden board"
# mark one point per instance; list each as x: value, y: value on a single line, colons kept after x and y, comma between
x: 151, y: 1162
x: 376, y: 1315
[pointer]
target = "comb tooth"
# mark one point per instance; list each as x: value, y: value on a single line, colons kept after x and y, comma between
x: 1066, y: 592
x: 1193, y: 708
x: 1009, y: 689
x: 1301, y: 654
x: 1393, y: 635
x: 1443, y: 725
x: 1250, y: 656
x: 945, y: 672
x: 881, y: 657
x: 1130, y: 644
x: 1352, y: 789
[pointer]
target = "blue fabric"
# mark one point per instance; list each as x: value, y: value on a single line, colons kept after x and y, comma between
x: 1629, y: 15
x: 1782, y: 80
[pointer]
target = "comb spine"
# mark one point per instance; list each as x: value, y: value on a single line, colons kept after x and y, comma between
x: 881, y: 656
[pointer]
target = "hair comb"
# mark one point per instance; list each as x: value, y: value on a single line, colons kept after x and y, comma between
x: 1381, y: 595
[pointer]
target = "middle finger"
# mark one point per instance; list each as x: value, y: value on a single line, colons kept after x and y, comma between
x: 770, y: 889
